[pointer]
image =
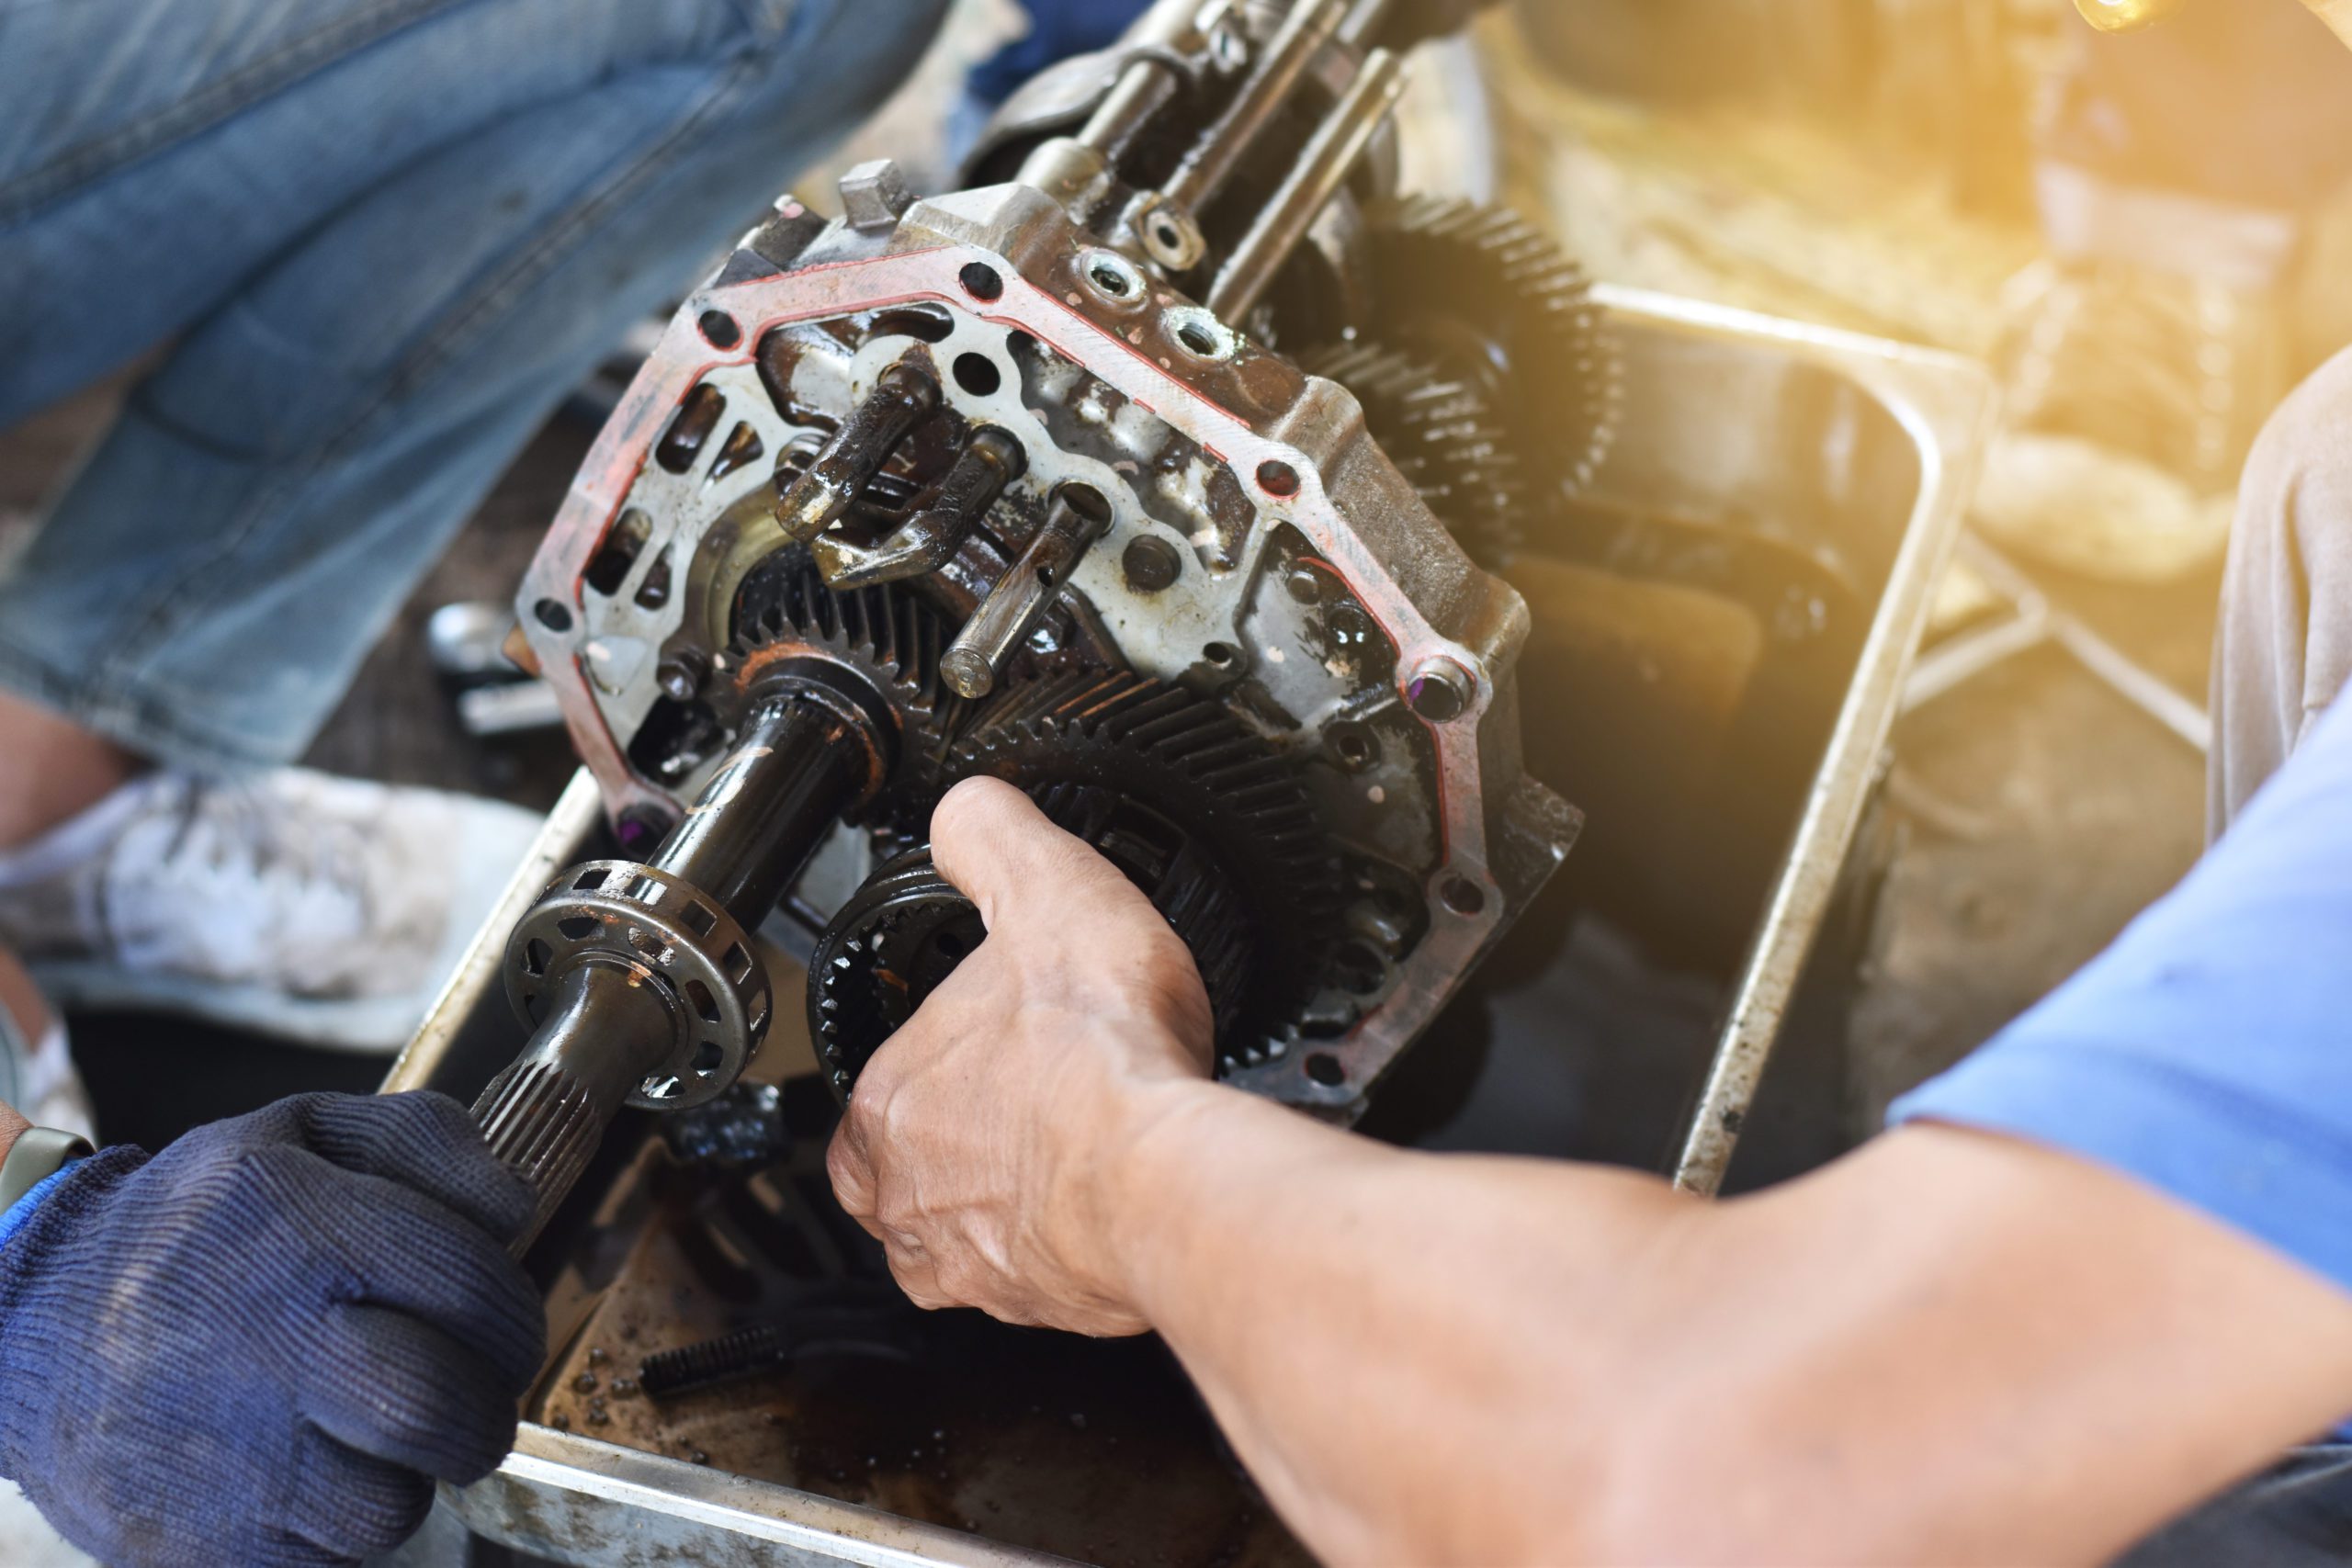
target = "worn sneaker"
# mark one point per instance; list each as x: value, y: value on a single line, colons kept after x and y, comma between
x: 320, y: 909
x: 36, y: 1073
x: 2134, y: 397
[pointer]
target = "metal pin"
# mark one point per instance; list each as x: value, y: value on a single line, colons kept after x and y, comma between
x: 1221, y: 149
x: 1339, y: 144
x: 902, y: 398
x: 1025, y: 593
x: 928, y: 539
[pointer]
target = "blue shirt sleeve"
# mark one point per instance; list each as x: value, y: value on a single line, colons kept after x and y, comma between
x: 2209, y: 1051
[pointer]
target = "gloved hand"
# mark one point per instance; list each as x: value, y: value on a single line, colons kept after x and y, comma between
x: 259, y: 1345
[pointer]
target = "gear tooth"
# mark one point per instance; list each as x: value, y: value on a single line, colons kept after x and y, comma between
x: 1512, y: 282
x: 882, y: 633
x: 1443, y: 440
x: 1239, y: 804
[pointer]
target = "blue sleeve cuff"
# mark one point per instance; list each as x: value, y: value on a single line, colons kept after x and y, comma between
x: 13, y: 1219
x: 2248, y: 1162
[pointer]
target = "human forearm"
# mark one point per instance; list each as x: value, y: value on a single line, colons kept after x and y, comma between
x: 1373, y: 1328
x: 1952, y: 1349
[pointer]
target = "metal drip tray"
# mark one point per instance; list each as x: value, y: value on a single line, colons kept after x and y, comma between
x: 1722, y: 632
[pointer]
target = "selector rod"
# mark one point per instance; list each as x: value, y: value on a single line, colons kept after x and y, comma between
x: 1339, y: 145
x: 1221, y: 149
x: 928, y: 539
x: 903, y: 398
x: 1029, y: 587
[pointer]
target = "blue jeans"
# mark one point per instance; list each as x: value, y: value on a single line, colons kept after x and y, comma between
x: 380, y: 238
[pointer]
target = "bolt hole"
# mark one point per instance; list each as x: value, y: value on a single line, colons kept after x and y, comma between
x: 949, y: 945
x: 553, y: 615
x: 1461, y: 896
x: 1045, y: 577
x: 718, y: 329
x: 1278, y: 478
x: 1325, y: 1069
x: 1110, y: 281
x: 977, y: 374
x: 983, y: 281
x: 1437, y: 694
x: 1222, y: 655
x: 1195, y: 336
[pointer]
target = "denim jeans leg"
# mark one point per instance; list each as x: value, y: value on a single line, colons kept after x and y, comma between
x: 205, y: 588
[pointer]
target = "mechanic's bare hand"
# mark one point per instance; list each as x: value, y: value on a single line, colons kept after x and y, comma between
x: 983, y: 1142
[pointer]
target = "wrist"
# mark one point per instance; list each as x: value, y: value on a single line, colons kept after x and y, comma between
x: 1138, y: 1200
x: 11, y: 1124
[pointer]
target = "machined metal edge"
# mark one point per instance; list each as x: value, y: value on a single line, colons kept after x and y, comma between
x: 1298, y: 443
x: 1946, y: 404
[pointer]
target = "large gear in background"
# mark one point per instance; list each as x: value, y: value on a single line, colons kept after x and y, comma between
x: 1239, y: 804
x: 1194, y: 809
x: 905, y: 931
x: 1496, y: 304
x: 1443, y: 437
x: 785, y: 610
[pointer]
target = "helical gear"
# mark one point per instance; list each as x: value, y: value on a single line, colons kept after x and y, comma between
x: 786, y: 611
x: 1443, y: 437
x: 1240, y: 802
x: 1196, y: 810
x: 1495, y: 302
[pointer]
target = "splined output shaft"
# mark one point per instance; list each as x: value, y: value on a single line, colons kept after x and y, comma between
x: 642, y: 981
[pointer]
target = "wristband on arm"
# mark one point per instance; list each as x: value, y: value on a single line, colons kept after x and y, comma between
x: 35, y: 1161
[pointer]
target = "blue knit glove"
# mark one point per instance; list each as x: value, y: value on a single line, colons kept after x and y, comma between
x: 260, y: 1345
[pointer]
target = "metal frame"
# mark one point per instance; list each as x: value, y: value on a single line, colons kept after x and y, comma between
x: 1947, y: 405
x: 592, y: 1505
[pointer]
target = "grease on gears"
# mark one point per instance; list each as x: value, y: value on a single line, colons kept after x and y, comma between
x: 908, y: 928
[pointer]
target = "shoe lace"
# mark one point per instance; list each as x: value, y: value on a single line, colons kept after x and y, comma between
x: 229, y: 828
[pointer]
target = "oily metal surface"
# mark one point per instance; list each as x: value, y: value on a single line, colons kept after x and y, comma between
x: 1097, y: 1451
